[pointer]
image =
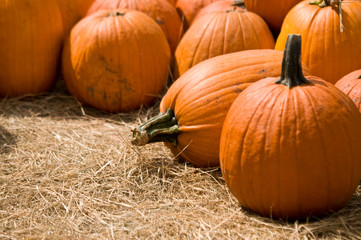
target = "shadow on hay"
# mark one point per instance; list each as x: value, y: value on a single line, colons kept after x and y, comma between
x: 60, y: 104
x: 7, y: 140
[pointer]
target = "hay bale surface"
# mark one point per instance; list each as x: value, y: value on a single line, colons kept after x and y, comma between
x: 69, y: 172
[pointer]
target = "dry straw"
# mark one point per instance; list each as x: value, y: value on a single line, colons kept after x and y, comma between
x: 70, y: 172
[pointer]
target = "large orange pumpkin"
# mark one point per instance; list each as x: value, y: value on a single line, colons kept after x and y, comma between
x: 272, y: 11
x: 193, y: 109
x: 351, y: 86
x: 160, y: 10
x: 216, y: 33
x: 31, y: 37
x: 290, y: 146
x: 116, y: 60
x: 329, y: 50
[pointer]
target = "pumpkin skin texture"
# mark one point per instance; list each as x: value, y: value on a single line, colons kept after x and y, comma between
x: 200, y: 100
x: 160, y: 10
x: 328, y: 53
x: 31, y: 39
x: 290, y: 149
x: 100, y: 64
x: 351, y: 86
x: 272, y: 11
x: 218, y: 33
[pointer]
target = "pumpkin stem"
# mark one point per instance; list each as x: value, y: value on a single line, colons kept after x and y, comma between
x: 359, y: 77
x: 321, y: 3
x: 161, y: 128
x: 325, y: 3
x: 291, y: 73
x: 238, y: 3
x: 115, y: 13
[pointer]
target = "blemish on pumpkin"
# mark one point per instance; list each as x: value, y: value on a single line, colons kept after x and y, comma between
x: 262, y: 71
x: 237, y: 90
x: 159, y: 21
x: 126, y: 85
x: 91, y: 90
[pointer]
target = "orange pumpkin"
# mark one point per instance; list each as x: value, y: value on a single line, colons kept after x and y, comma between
x: 188, y: 9
x: 290, y: 146
x: 116, y: 60
x: 194, y: 108
x: 351, y: 86
x: 216, y: 33
x: 327, y: 50
x: 160, y: 10
x: 272, y: 11
x: 31, y: 37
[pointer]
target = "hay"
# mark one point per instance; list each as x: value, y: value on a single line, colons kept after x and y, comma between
x: 70, y: 172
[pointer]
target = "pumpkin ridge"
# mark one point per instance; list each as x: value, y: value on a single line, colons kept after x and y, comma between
x: 261, y: 103
x: 209, y: 94
x: 273, y: 112
x: 212, y: 37
x: 241, y: 26
x: 310, y: 97
x: 297, y: 114
x: 214, y: 21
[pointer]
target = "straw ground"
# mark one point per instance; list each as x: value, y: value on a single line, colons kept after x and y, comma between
x: 69, y: 172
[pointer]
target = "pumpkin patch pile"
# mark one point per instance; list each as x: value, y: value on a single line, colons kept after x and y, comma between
x: 268, y: 91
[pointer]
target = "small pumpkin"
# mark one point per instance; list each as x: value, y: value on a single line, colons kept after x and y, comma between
x: 350, y: 84
x: 161, y: 11
x: 290, y: 146
x: 116, y: 60
x: 219, y: 32
x: 272, y: 11
x: 331, y: 45
x: 194, y: 108
x: 31, y: 38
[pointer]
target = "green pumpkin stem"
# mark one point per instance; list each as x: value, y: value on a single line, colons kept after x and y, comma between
x: 161, y: 128
x: 291, y: 73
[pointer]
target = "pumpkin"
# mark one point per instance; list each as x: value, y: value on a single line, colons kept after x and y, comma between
x: 194, y: 108
x: 160, y: 10
x: 188, y: 9
x: 31, y: 38
x: 272, y: 11
x: 72, y: 11
x: 216, y: 33
x: 116, y: 60
x: 329, y: 49
x: 290, y: 146
x: 350, y: 84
